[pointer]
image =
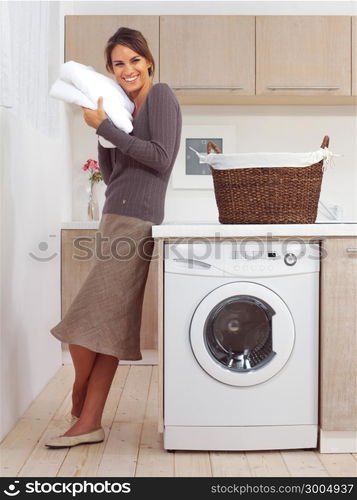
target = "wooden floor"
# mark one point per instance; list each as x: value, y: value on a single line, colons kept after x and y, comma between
x: 133, y: 446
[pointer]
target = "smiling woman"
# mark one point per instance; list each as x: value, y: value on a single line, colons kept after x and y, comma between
x: 102, y: 324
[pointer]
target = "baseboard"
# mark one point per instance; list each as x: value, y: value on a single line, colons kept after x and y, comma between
x: 150, y: 357
x: 230, y: 438
x: 338, y: 441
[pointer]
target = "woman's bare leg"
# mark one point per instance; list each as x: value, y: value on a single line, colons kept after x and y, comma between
x: 83, y: 361
x: 99, y: 383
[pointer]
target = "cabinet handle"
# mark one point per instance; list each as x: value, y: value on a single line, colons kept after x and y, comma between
x: 351, y: 250
x: 287, y: 87
x: 200, y: 87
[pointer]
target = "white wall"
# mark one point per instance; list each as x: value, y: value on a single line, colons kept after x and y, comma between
x: 35, y: 195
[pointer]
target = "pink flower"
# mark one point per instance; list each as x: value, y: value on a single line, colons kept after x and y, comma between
x: 90, y: 164
x: 94, y: 168
x: 93, y: 164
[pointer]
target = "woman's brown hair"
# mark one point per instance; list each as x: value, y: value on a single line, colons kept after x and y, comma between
x: 132, y: 39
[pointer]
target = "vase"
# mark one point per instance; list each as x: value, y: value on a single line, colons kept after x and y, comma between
x: 93, y: 208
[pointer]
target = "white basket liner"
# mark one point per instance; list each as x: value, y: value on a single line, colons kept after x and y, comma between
x: 264, y: 160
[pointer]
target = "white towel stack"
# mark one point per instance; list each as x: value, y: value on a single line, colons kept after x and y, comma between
x: 82, y: 85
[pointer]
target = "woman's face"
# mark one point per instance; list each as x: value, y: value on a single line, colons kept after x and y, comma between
x: 130, y: 69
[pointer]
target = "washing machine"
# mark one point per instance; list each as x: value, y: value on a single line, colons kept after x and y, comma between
x: 241, y: 329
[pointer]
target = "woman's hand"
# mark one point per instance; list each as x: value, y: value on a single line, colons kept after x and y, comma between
x: 94, y: 117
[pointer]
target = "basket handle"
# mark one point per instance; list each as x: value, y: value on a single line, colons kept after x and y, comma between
x: 325, y: 142
x: 212, y: 145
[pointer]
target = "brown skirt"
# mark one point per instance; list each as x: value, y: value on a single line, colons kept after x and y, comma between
x: 105, y: 315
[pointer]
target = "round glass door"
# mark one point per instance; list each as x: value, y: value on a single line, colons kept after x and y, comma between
x: 238, y: 333
x: 242, y: 333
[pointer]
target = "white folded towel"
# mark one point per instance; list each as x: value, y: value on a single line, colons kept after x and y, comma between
x: 82, y: 85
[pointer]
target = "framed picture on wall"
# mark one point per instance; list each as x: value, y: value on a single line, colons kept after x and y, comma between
x: 188, y: 172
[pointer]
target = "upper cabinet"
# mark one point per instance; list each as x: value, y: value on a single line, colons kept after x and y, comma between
x: 235, y: 59
x: 354, y: 55
x: 303, y: 55
x: 87, y: 36
x: 210, y: 53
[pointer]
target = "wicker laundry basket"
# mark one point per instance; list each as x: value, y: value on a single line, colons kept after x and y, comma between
x: 275, y: 195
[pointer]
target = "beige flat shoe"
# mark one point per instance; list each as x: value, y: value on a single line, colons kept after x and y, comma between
x: 96, y: 436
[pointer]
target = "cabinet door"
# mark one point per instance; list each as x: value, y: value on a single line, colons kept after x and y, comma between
x: 208, y: 51
x: 354, y: 55
x: 87, y: 36
x: 338, y: 335
x: 303, y: 55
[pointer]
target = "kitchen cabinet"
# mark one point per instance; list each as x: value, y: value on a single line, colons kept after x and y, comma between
x: 208, y: 53
x: 234, y: 59
x: 87, y: 36
x: 354, y: 55
x: 77, y: 258
x: 303, y: 55
x: 338, y: 337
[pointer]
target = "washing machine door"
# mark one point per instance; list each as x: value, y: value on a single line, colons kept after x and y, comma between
x: 242, y: 333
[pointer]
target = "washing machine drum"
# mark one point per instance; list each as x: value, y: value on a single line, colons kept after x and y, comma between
x: 242, y: 333
x: 238, y: 332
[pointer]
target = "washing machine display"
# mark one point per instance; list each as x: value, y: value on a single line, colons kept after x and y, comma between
x: 242, y: 333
